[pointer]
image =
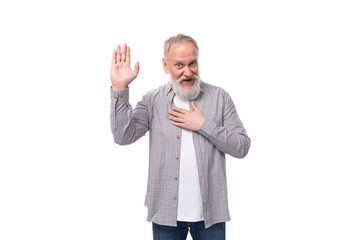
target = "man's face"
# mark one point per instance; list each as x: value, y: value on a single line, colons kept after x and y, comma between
x: 182, y: 62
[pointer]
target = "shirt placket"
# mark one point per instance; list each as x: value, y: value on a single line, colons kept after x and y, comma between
x: 174, y: 162
x: 200, y: 159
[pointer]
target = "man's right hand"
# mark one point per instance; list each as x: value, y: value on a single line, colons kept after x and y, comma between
x: 121, y: 74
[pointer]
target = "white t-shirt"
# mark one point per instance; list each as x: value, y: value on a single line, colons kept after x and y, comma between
x: 190, y: 207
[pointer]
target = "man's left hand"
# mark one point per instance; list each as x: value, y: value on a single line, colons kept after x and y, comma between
x: 191, y: 120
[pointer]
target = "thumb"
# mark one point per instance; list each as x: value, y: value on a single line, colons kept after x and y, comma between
x: 194, y: 106
x: 136, y: 68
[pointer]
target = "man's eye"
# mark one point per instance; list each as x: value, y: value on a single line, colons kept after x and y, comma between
x: 192, y: 63
x: 179, y: 65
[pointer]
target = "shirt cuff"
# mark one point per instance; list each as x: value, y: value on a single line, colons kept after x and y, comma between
x: 119, y: 96
x: 207, y: 128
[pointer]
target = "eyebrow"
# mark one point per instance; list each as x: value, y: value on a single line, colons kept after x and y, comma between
x: 179, y: 60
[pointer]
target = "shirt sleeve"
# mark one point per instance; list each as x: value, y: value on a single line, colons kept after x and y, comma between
x: 231, y: 138
x: 127, y: 125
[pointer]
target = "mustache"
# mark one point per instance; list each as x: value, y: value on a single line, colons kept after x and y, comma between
x: 183, y: 78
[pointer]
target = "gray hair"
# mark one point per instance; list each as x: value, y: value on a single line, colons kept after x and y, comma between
x: 176, y: 40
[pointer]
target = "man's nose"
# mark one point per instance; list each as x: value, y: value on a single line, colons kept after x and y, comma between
x: 187, y: 72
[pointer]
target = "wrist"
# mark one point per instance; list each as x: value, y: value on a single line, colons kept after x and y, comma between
x: 118, y: 88
x: 201, y: 123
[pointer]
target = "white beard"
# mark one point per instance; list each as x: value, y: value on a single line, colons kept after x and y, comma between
x: 186, y: 94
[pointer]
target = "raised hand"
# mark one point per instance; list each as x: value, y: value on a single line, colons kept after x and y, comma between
x: 121, y: 74
x: 191, y: 120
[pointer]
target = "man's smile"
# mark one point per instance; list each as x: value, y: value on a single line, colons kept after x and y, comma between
x: 187, y: 83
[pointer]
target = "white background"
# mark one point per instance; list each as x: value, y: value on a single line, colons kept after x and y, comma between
x: 291, y: 67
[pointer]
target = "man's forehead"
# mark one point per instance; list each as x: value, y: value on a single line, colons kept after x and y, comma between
x: 185, y: 46
x: 183, y: 50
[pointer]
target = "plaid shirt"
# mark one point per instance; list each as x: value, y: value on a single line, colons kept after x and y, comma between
x: 222, y: 132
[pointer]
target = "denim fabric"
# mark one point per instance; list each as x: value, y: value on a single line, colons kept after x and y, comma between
x: 197, y: 231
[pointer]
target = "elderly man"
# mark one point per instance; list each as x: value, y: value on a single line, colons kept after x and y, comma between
x: 192, y: 125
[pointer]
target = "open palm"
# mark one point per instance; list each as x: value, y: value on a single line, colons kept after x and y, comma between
x: 121, y: 74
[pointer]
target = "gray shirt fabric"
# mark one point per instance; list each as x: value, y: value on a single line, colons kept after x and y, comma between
x: 222, y: 132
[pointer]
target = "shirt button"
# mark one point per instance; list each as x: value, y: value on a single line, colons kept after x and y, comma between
x: 177, y: 157
x: 175, y: 178
x: 178, y: 137
x: 115, y: 97
x: 174, y: 198
x: 121, y: 95
x: 113, y: 114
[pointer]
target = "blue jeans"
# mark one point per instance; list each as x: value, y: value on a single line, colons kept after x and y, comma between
x: 197, y: 231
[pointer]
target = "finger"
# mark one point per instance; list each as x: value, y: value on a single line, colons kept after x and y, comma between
x: 180, y: 110
x: 118, y: 55
x: 182, y: 125
x: 136, y: 68
x: 194, y: 107
x: 176, y: 114
x: 123, y: 53
x: 128, y: 56
x: 176, y: 119
x: 113, y: 60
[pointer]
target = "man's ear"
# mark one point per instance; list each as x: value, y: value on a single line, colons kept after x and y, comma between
x: 165, y: 66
